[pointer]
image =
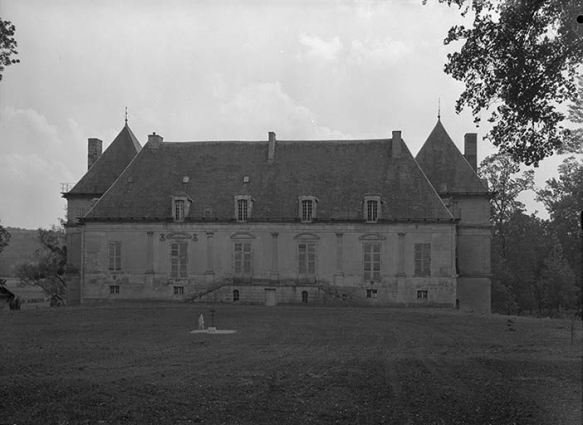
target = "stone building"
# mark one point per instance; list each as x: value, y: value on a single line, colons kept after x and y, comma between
x: 279, y: 221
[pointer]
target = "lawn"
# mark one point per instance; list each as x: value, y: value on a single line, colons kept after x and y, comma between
x: 139, y: 363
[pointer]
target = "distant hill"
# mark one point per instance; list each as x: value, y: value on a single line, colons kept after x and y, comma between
x: 21, y: 248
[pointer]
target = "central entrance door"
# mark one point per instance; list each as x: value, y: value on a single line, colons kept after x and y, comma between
x: 270, y: 297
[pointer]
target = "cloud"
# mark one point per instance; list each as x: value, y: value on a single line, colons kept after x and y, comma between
x: 320, y: 49
x: 30, y: 188
x: 385, y: 51
x: 263, y: 107
x: 32, y: 166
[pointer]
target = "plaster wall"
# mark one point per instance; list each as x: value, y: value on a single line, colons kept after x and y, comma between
x: 339, y: 262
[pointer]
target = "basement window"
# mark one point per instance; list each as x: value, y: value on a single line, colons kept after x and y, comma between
x: 114, y: 289
x: 179, y: 290
x: 422, y: 294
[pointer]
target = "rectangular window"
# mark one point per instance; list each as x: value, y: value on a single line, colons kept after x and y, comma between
x: 422, y: 295
x: 372, y: 261
x: 114, y: 252
x: 179, y: 290
x: 179, y: 210
x: 372, y: 210
x: 307, y: 209
x: 114, y: 289
x: 242, y: 209
x: 179, y: 259
x: 371, y: 293
x: 422, y: 259
x: 307, y: 259
x: 242, y: 260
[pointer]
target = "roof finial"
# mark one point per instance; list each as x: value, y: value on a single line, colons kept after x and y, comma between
x: 438, y: 109
x: 126, y: 115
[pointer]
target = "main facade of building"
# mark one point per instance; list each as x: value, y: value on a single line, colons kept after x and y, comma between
x: 350, y: 221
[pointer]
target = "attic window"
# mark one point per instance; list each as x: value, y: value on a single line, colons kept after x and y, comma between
x: 372, y: 208
x: 179, y: 208
x: 243, y: 206
x: 307, y: 208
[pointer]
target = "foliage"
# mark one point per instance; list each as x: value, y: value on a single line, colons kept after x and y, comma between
x: 520, y: 58
x: 4, y: 238
x: 501, y: 172
x: 7, y: 45
x: 563, y: 198
x: 48, y: 266
x: 556, y: 289
x: 574, y: 143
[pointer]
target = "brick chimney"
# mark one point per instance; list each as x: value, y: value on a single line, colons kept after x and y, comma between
x: 396, y: 144
x: 471, y: 149
x: 94, y: 149
x: 154, y: 140
x: 271, y: 147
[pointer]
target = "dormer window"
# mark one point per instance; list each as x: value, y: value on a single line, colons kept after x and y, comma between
x: 372, y: 208
x: 243, y: 206
x: 307, y: 210
x: 179, y: 210
x: 180, y: 207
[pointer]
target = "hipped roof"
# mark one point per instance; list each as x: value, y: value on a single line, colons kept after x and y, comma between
x: 338, y: 173
x: 445, y: 166
x: 109, y: 165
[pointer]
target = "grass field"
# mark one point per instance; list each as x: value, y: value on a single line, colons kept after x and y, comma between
x: 139, y: 363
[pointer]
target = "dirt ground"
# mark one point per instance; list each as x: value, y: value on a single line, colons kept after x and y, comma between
x: 139, y: 364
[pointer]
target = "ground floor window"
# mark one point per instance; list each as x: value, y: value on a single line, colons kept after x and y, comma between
x: 114, y: 255
x: 304, y: 296
x: 179, y: 259
x: 179, y: 290
x: 422, y: 259
x: 306, y: 260
x: 242, y: 261
x: 372, y: 261
x: 114, y: 289
x: 422, y: 294
x: 236, y: 295
x: 371, y: 293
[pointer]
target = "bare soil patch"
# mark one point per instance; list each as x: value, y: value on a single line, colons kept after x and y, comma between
x: 139, y: 363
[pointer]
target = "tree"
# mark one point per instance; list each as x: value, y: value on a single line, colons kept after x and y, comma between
x: 574, y: 143
x: 518, y: 240
x: 520, y: 58
x: 48, y: 266
x: 556, y: 288
x: 4, y: 238
x: 501, y: 172
x: 7, y: 45
x: 563, y: 199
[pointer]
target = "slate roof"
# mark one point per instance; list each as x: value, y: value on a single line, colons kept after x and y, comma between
x: 338, y: 173
x: 445, y: 166
x: 108, y: 166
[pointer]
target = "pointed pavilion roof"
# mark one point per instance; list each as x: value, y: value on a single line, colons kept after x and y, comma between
x: 445, y: 166
x: 109, y: 165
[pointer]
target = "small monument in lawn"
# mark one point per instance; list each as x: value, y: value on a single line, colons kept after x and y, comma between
x: 212, y: 326
x: 211, y: 329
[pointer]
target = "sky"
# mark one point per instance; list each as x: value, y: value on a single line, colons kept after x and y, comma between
x: 217, y: 70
